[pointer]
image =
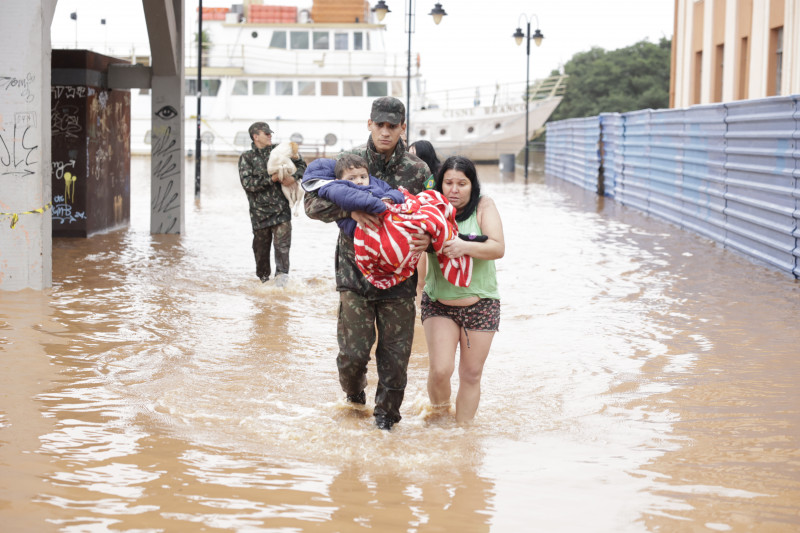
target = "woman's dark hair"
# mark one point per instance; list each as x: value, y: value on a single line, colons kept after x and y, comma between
x: 466, y: 166
x: 427, y: 153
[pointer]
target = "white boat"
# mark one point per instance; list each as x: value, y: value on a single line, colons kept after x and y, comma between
x: 314, y: 82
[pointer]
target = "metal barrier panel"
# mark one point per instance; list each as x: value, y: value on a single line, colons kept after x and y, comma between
x: 634, y: 188
x: 666, y: 164
x: 572, y: 151
x: 730, y: 172
x: 761, y: 182
x: 612, y: 132
x: 703, y: 188
x: 796, y: 191
x: 581, y: 161
x: 555, y: 147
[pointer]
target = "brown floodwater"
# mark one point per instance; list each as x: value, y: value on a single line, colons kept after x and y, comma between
x: 644, y: 379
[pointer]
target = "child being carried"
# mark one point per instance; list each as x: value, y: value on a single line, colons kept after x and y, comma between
x: 384, y: 256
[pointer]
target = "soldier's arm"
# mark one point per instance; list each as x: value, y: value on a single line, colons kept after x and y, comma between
x: 321, y: 209
x: 252, y: 179
x: 301, y: 165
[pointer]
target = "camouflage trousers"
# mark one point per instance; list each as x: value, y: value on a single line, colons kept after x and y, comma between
x: 263, y: 238
x: 358, y: 320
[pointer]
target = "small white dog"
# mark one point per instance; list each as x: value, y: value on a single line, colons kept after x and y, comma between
x: 280, y: 162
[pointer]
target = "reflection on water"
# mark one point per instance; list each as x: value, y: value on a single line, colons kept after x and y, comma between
x: 643, y: 380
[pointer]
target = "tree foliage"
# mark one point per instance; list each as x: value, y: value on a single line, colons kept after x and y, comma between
x: 636, y: 77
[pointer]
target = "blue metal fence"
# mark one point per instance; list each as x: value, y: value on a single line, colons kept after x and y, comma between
x: 730, y: 172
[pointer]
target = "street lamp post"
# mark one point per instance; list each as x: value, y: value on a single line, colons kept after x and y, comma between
x: 437, y: 13
x: 537, y: 38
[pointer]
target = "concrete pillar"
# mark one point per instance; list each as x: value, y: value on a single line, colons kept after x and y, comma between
x: 25, y: 191
x: 167, y: 194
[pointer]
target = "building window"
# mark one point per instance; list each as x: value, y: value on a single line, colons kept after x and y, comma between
x: 776, y: 60
x: 261, y: 88
x: 353, y: 88
x: 321, y: 40
x: 340, y: 41
x: 283, y: 88
x: 306, y: 88
x: 299, y: 40
x: 358, y: 40
x: 397, y: 88
x: 278, y: 40
x: 239, y: 88
x: 210, y: 87
x: 377, y: 89
x: 719, y: 72
x: 329, y: 88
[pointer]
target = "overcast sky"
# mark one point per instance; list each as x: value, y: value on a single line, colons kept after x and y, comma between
x: 472, y: 46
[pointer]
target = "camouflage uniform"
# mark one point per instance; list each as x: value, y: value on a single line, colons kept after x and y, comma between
x: 270, y: 213
x: 362, y: 306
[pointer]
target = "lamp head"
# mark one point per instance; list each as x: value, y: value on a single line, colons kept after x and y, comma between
x: 437, y: 13
x: 381, y: 9
x: 537, y: 37
x: 518, y: 36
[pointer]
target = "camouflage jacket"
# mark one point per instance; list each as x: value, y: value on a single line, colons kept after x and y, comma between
x: 268, y: 205
x: 402, y: 169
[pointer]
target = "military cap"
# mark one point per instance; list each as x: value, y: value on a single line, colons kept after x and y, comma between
x: 388, y: 109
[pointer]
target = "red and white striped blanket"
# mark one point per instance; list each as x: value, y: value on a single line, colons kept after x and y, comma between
x: 384, y: 256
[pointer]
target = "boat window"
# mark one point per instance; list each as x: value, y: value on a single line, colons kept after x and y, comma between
x: 358, y: 40
x: 397, y: 88
x: 306, y: 88
x: 261, y: 87
x: 242, y: 138
x: 321, y: 40
x: 210, y: 87
x: 239, y: 88
x: 353, y: 88
x: 340, y: 41
x: 377, y: 88
x: 299, y: 40
x: 329, y: 88
x: 278, y: 40
x: 283, y: 88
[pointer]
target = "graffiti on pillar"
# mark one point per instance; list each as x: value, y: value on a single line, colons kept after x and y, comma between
x: 63, y: 210
x: 17, y: 149
x: 66, y: 121
x: 18, y: 86
x: 67, y: 91
x: 166, y: 172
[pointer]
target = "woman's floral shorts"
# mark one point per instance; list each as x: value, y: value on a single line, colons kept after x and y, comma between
x: 483, y: 315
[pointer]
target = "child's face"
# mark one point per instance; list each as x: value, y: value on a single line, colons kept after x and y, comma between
x: 359, y: 176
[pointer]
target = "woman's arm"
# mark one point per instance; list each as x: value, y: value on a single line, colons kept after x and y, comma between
x: 489, y: 221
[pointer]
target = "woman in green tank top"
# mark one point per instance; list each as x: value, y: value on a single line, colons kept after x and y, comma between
x: 465, y: 317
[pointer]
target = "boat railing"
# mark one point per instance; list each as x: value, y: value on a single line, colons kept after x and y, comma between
x: 325, y: 63
x: 498, y: 94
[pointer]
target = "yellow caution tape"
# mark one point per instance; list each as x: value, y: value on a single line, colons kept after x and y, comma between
x: 15, y: 216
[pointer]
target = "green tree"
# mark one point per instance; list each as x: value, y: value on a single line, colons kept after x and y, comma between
x: 636, y: 77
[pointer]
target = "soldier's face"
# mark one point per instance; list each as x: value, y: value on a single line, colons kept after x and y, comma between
x: 262, y: 140
x: 385, y: 135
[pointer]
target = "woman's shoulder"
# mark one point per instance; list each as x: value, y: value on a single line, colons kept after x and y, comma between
x: 485, y: 202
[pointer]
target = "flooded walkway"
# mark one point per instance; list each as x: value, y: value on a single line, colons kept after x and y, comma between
x: 643, y: 379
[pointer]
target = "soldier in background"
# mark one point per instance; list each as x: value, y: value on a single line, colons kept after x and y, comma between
x: 270, y: 213
x: 363, y: 308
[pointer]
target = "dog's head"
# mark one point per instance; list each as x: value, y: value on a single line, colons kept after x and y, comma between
x: 295, y: 149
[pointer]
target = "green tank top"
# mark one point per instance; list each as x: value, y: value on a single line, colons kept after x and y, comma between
x: 484, y: 277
